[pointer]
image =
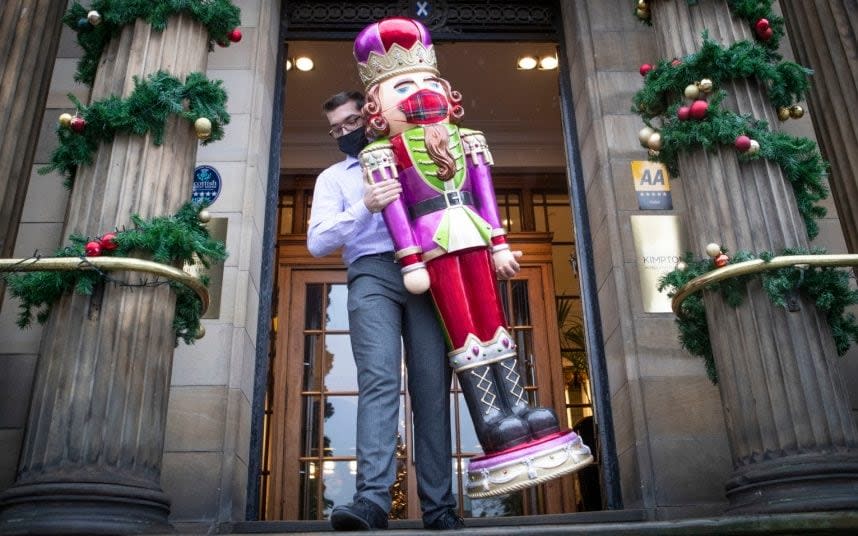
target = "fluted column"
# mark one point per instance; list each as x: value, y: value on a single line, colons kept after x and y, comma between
x: 93, y: 446
x: 31, y: 30
x: 824, y: 34
x: 791, y: 434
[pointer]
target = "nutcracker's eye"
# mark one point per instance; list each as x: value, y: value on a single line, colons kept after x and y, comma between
x: 432, y: 83
x: 405, y: 86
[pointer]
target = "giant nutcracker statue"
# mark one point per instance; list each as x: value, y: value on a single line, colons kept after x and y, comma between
x: 449, y: 240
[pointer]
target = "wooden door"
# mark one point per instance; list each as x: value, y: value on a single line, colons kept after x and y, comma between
x: 314, y: 396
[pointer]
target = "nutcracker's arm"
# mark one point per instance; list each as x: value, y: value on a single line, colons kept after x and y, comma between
x: 479, y: 159
x: 378, y: 164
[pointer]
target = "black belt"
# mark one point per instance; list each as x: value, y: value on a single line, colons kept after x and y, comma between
x: 386, y: 255
x: 447, y: 199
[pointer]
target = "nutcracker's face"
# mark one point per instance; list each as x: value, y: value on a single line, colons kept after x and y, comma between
x: 412, y: 99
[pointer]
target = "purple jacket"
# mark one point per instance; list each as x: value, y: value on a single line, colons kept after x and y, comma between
x: 433, y: 217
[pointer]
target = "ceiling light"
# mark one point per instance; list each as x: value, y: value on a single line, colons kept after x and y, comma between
x: 288, y: 64
x: 303, y: 63
x: 526, y: 63
x: 546, y: 63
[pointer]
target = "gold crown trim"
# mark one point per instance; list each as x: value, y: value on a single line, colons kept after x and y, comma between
x: 398, y: 60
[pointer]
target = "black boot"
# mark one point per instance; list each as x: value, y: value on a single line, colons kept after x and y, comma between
x: 496, y: 427
x: 540, y: 421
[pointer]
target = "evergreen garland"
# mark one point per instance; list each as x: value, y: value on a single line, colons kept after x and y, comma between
x: 750, y: 11
x: 786, y: 82
x: 827, y: 287
x: 144, y: 111
x: 175, y: 240
x: 798, y: 158
x: 218, y: 16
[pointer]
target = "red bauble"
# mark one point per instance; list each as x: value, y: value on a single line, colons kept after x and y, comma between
x: 645, y: 68
x: 722, y: 261
x: 92, y: 249
x: 698, y: 109
x: 683, y: 113
x: 761, y: 26
x: 78, y: 124
x: 766, y: 34
x: 108, y: 242
x: 742, y: 143
x: 676, y: 62
x: 235, y: 35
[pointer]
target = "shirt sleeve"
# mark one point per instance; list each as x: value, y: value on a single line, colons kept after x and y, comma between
x: 332, y: 221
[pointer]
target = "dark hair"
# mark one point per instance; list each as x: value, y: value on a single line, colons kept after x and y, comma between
x: 342, y: 98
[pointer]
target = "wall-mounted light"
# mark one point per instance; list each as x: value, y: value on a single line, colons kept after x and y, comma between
x: 302, y: 63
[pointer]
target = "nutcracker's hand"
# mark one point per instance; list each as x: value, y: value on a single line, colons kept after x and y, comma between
x: 416, y: 281
x: 506, y: 263
x: 378, y: 195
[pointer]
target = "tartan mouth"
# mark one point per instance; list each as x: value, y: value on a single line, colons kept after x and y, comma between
x: 424, y: 106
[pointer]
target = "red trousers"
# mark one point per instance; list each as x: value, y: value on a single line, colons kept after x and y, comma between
x: 465, y: 291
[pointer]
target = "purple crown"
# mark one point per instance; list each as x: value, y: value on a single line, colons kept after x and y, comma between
x: 393, y: 46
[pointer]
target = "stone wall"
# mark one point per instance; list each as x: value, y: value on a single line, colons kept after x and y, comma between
x: 671, y: 443
x: 208, y: 431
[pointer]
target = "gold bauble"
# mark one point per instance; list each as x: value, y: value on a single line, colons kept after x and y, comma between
x: 652, y: 152
x: 644, y: 134
x: 754, y: 148
x: 681, y: 266
x: 692, y: 92
x: 705, y: 85
x: 94, y: 17
x: 783, y: 113
x: 642, y: 5
x: 201, y: 332
x: 65, y: 120
x: 713, y: 249
x: 203, y: 127
x: 796, y: 111
x: 204, y: 216
x: 654, y: 142
x: 642, y: 13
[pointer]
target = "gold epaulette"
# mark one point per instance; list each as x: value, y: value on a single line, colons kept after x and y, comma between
x: 474, y: 143
x: 378, y: 157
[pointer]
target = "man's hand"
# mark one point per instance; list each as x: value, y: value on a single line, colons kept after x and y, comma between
x: 378, y: 195
x: 506, y: 263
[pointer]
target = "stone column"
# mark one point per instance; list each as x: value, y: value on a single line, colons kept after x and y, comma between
x: 91, y: 458
x: 824, y: 34
x: 792, y: 437
x: 31, y: 30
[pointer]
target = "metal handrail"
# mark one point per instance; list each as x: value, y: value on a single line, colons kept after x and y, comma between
x: 109, y: 264
x: 755, y: 266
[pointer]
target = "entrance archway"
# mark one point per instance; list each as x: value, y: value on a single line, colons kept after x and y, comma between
x: 534, y: 24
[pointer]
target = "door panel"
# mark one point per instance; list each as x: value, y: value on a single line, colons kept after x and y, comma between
x: 315, y: 400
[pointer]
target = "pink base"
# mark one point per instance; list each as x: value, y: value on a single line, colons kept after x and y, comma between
x: 521, y: 451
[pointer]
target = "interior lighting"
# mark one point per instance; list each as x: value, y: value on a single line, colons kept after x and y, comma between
x: 303, y: 63
x: 546, y: 63
x: 526, y: 63
x: 289, y: 64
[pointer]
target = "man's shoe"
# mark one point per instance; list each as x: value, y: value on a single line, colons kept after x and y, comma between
x: 448, y: 520
x: 362, y: 514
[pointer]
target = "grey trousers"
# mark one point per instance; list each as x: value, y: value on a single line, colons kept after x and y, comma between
x: 380, y: 310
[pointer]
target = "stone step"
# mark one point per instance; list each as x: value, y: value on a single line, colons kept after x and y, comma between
x: 616, y: 523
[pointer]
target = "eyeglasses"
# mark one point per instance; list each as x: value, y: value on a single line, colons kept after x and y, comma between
x: 349, y: 125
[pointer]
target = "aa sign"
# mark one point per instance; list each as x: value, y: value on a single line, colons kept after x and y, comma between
x: 652, y: 184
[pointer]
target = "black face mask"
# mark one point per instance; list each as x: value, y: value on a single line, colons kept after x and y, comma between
x: 353, y: 142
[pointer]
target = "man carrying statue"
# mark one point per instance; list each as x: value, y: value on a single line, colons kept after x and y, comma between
x: 449, y: 240
x: 442, y: 216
